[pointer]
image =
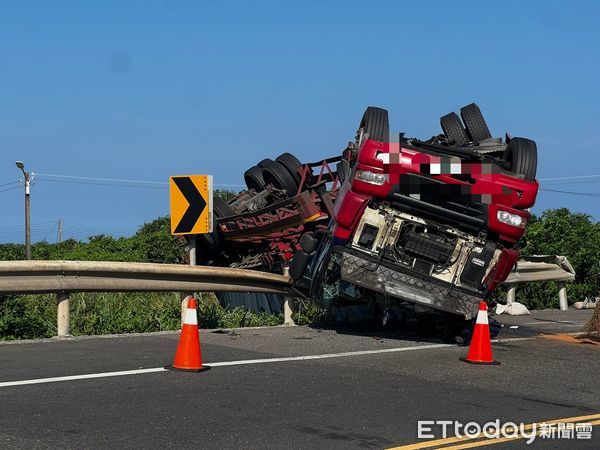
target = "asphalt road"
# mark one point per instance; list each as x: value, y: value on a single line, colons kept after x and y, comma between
x: 348, y: 401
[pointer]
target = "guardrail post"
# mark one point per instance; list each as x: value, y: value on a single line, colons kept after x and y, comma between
x: 511, y: 295
x: 63, y: 315
x: 288, y: 304
x: 562, y: 295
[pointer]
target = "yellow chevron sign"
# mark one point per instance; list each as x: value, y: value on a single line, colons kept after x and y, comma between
x: 191, y: 204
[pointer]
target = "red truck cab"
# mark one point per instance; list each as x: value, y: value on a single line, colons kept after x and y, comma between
x: 430, y: 224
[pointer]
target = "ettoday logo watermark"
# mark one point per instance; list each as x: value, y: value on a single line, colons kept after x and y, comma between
x: 430, y: 429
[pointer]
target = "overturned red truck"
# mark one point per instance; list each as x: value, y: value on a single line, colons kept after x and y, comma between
x: 423, y: 226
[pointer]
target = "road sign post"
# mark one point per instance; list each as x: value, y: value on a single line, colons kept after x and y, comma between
x: 186, y: 295
x: 191, y: 214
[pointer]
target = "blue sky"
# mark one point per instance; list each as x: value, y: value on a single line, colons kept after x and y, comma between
x: 147, y: 89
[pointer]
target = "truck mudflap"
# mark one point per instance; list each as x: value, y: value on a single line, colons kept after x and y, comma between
x: 386, y: 278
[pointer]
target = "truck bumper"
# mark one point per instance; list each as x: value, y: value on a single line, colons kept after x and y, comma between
x: 387, y: 278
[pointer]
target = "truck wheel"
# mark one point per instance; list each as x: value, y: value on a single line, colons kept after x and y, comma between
x: 254, y: 179
x: 210, y: 245
x: 453, y: 129
x: 262, y: 163
x: 299, y: 263
x: 221, y: 208
x: 477, y: 129
x: 375, y: 122
x: 291, y: 163
x: 521, y: 157
x: 274, y: 173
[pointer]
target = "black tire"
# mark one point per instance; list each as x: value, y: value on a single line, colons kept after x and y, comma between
x: 521, y: 157
x: 375, y: 122
x: 274, y: 173
x: 291, y: 163
x: 475, y: 124
x: 254, y: 179
x: 299, y: 264
x: 454, y: 129
x: 209, y: 246
x: 221, y: 208
x: 262, y: 163
x: 308, y: 243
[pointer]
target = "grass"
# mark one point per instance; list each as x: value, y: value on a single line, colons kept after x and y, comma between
x: 34, y: 316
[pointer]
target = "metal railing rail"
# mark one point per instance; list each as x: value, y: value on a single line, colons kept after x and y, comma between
x: 532, y: 269
x: 65, y: 277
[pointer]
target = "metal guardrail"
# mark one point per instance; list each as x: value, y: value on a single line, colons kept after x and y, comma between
x: 531, y: 269
x: 64, y: 277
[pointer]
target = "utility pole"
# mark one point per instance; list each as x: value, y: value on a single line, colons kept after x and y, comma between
x: 21, y: 166
x: 60, y: 224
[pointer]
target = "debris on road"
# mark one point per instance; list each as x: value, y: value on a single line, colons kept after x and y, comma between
x: 587, y: 303
x: 512, y: 309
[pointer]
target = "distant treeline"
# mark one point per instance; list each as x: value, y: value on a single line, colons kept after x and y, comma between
x: 151, y: 243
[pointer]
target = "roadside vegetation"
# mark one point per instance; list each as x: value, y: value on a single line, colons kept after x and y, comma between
x: 34, y: 316
x: 574, y: 235
x: 559, y: 231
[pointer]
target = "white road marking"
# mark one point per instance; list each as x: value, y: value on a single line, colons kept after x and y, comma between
x: 564, y: 324
x: 223, y: 363
x: 246, y: 362
x: 328, y: 355
x: 81, y: 377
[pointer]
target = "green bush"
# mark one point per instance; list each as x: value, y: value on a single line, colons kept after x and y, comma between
x: 19, y: 319
x: 34, y: 316
x: 308, y: 311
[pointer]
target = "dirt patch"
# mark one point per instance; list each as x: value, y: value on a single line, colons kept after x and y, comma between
x: 569, y: 339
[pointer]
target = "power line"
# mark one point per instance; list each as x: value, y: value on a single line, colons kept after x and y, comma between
x: 91, y: 228
x: 570, y: 178
x: 10, y: 189
x: 567, y: 182
x: 120, y: 180
x: 18, y: 232
x: 21, y: 226
x: 584, y: 194
x: 105, y: 184
x: 116, y: 180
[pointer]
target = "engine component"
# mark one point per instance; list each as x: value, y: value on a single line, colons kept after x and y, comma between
x: 433, y: 248
x: 477, y: 264
x: 367, y: 238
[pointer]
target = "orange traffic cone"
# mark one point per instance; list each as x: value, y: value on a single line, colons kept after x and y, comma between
x: 188, y: 357
x: 480, y: 350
